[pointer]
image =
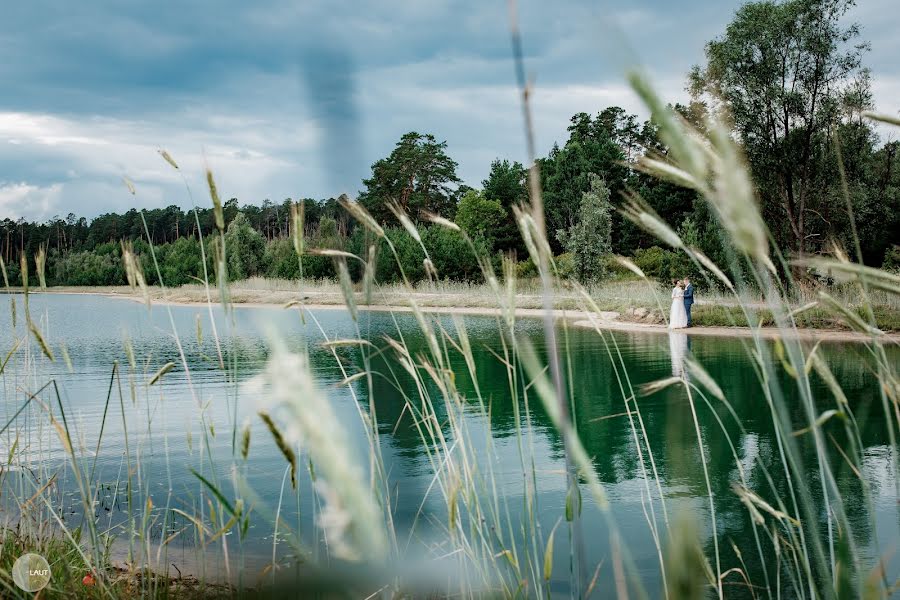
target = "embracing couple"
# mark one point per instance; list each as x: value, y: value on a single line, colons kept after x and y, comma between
x: 682, y: 299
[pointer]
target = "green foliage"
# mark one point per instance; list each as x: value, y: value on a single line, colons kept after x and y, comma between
x: 653, y: 261
x: 666, y: 265
x: 244, y: 248
x: 418, y: 175
x: 709, y: 315
x: 526, y: 269
x: 595, y: 146
x: 280, y: 258
x: 179, y: 262
x: 892, y: 259
x: 280, y: 261
x: 781, y: 69
x: 480, y: 217
x: 507, y: 183
x: 88, y: 268
x: 567, y: 265
x: 590, y: 238
x: 451, y: 255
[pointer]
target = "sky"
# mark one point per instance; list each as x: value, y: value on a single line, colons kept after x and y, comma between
x: 288, y: 99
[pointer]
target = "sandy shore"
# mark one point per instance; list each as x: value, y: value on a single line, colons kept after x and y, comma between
x: 607, y: 321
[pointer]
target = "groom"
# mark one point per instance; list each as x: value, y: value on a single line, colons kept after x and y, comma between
x: 688, y: 299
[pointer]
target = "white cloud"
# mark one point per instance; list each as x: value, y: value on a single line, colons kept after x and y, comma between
x: 78, y: 159
x: 29, y: 201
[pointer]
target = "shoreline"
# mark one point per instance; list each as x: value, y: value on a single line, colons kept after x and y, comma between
x: 605, y: 320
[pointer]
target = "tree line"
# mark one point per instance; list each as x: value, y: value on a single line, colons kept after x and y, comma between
x: 788, y: 76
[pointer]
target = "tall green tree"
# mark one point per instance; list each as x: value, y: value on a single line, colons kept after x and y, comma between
x: 566, y: 172
x: 244, y: 248
x: 590, y: 239
x: 507, y: 184
x: 781, y: 69
x: 418, y: 175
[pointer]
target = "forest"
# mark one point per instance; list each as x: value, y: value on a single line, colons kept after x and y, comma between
x: 797, y: 97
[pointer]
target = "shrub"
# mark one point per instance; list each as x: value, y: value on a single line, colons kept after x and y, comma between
x: 666, y: 265
x: 408, y: 251
x: 566, y: 265
x: 614, y: 270
x: 892, y: 259
x: 280, y: 262
x: 653, y: 261
x: 452, y: 256
x: 526, y: 269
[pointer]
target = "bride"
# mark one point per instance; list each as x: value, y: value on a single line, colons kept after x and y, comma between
x: 677, y: 314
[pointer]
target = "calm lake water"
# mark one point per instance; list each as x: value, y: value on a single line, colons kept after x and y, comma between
x: 164, y: 427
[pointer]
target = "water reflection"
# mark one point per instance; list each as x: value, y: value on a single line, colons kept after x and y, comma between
x: 679, y: 347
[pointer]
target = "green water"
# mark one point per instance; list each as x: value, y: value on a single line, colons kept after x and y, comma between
x: 164, y: 429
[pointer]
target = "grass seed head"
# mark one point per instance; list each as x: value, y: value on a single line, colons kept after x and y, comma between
x: 439, y: 220
x: 218, y: 211
x: 168, y: 158
x: 40, y: 261
x: 298, y: 214
x: 361, y: 214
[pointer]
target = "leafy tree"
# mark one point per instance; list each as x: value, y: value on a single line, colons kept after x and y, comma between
x: 451, y: 255
x: 507, y: 183
x: 566, y: 173
x: 481, y: 217
x: 244, y: 248
x: 781, y: 69
x: 418, y: 175
x: 590, y: 239
x: 180, y: 262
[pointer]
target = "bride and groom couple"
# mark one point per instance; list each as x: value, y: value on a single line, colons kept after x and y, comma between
x: 682, y: 299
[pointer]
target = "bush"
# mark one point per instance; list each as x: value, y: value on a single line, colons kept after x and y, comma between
x: 666, y: 265
x: 280, y: 262
x: 653, y: 261
x: 408, y: 251
x: 566, y: 265
x: 526, y: 269
x: 614, y: 270
x: 892, y: 259
x: 452, y: 256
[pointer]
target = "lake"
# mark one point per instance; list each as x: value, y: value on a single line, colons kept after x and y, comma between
x: 157, y: 432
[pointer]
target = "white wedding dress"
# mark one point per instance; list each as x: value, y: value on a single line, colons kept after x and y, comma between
x: 677, y: 315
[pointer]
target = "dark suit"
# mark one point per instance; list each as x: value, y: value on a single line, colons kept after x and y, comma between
x: 688, y: 301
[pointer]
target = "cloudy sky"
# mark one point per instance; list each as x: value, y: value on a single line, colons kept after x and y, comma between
x: 283, y: 98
